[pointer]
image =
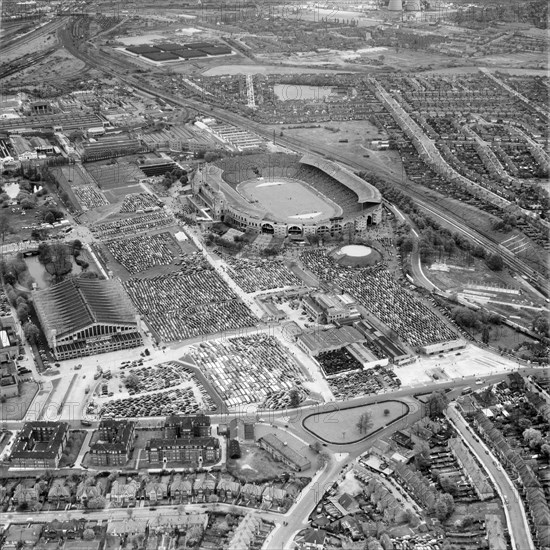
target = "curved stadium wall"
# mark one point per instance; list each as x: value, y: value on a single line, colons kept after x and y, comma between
x: 217, y: 192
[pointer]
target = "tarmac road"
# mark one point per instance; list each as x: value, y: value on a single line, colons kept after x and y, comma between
x: 515, y: 512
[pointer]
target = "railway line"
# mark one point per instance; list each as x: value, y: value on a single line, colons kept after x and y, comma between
x: 441, y: 213
x: 24, y: 62
x: 15, y: 43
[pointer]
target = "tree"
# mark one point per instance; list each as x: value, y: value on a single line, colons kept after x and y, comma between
x: 76, y: 246
x: 436, y: 404
x: 97, y: 503
x: 386, y: 412
x: 422, y: 455
x: 31, y: 332
x: 28, y: 204
x: 533, y: 437
x: 22, y: 312
x: 443, y: 506
x: 211, y: 156
x: 88, y: 534
x: 294, y: 396
x: 316, y: 446
x: 486, y: 396
x: 132, y: 381
x: 407, y: 246
x: 494, y: 262
x: 59, y: 263
x: 5, y: 226
x: 540, y: 325
x: 485, y: 334
x: 365, y: 423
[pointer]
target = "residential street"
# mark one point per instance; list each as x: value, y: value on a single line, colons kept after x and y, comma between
x: 515, y: 512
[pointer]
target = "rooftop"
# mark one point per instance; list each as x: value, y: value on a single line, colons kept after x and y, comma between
x: 75, y: 304
x: 294, y: 456
x: 330, y: 339
x: 29, y: 444
x: 365, y: 191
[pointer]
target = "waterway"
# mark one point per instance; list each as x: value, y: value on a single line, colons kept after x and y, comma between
x: 12, y: 190
x: 43, y: 279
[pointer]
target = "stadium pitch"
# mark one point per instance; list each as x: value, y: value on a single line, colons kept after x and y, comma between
x: 289, y: 200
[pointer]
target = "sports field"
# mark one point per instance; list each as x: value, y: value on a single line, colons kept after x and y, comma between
x: 289, y: 200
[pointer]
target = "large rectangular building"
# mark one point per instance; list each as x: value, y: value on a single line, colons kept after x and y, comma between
x: 318, y: 341
x: 190, y: 450
x: 113, y: 446
x: 40, y: 445
x: 176, y: 426
x: 282, y: 452
x: 82, y: 317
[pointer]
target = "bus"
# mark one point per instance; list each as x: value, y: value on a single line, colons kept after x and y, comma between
x: 466, y: 391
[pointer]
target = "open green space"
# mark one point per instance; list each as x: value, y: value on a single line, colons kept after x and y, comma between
x: 255, y: 465
x: 339, y: 426
x: 74, y: 444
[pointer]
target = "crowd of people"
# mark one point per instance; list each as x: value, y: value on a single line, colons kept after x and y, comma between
x: 176, y: 401
x: 138, y: 201
x: 88, y: 197
x: 260, y: 274
x: 249, y: 369
x: 135, y: 224
x: 377, y: 290
x: 190, y: 303
x: 141, y: 252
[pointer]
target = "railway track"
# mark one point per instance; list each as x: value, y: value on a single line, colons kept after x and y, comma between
x: 22, y: 63
x: 15, y: 43
x: 440, y: 212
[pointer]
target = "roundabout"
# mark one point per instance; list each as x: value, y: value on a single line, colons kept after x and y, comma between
x: 338, y: 426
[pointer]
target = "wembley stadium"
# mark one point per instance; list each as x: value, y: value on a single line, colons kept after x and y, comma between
x: 285, y: 195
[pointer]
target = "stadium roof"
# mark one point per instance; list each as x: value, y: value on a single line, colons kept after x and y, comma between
x: 75, y: 304
x: 364, y: 190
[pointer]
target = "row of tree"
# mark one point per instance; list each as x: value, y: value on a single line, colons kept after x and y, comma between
x: 435, y: 240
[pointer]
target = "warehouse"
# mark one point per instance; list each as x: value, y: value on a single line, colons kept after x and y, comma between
x: 83, y: 317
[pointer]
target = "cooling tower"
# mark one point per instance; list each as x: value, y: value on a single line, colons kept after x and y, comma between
x: 395, y: 5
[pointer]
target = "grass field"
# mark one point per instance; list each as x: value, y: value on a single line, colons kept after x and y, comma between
x: 74, y: 444
x: 289, y: 200
x: 339, y: 426
x: 255, y: 464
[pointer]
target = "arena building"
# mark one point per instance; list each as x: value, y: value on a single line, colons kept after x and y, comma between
x: 285, y: 195
x: 83, y: 317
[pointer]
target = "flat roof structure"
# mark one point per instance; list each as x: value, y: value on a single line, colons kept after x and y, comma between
x: 332, y: 339
x: 160, y: 56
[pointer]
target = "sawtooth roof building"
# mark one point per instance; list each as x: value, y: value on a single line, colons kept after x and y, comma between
x: 83, y: 317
